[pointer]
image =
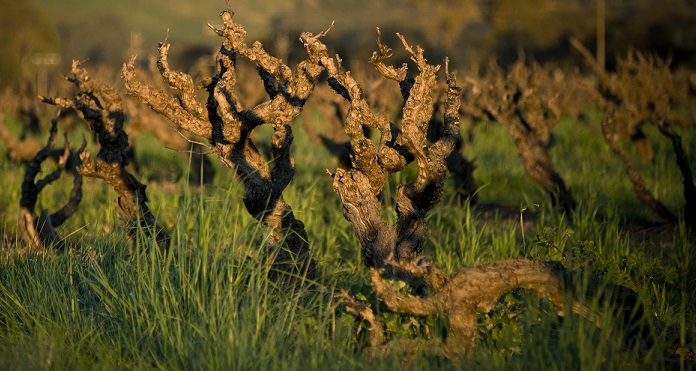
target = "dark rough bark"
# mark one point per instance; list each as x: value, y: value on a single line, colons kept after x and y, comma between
x: 38, y: 231
x: 477, y: 288
x: 228, y: 126
x: 392, y: 248
x: 524, y: 100
x: 101, y: 108
x: 359, y: 186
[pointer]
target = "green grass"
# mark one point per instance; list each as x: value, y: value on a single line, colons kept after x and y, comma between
x: 209, y: 304
x: 185, y: 20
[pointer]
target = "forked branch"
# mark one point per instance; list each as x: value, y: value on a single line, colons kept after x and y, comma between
x: 477, y: 289
x: 227, y: 125
x: 39, y: 231
x: 101, y: 108
x: 524, y: 100
x: 359, y: 186
x: 629, y: 106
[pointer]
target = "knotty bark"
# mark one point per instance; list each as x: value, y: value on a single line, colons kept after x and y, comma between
x: 359, y: 186
x: 101, y: 108
x: 141, y: 119
x: 227, y: 125
x: 38, y: 231
x: 477, y: 288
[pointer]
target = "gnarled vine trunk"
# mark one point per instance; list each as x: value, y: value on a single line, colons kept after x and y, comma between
x: 523, y: 99
x: 629, y: 105
x: 227, y: 126
x: 100, y: 106
x: 359, y: 186
x: 39, y: 231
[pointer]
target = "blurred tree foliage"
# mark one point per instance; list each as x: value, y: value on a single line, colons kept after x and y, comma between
x: 539, y: 27
x: 667, y: 27
x: 25, y: 33
x: 471, y: 31
x: 100, y: 38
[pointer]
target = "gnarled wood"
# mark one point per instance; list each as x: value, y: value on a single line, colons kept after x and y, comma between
x: 523, y: 99
x: 359, y: 186
x: 101, y: 108
x: 687, y: 175
x: 227, y: 125
x: 461, y: 168
x: 477, y: 288
x: 38, y: 231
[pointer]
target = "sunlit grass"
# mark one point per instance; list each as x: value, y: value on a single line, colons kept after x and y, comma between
x: 210, y: 305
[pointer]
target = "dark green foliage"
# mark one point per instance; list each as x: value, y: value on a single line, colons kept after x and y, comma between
x: 632, y: 269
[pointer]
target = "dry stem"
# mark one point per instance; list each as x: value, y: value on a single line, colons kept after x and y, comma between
x: 524, y: 100
x: 227, y: 125
x: 101, y: 107
x: 38, y: 232
x: 359, y: 186
x: 478, y: 288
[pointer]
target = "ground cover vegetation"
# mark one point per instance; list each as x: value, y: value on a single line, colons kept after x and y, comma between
x: 271, y: 215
